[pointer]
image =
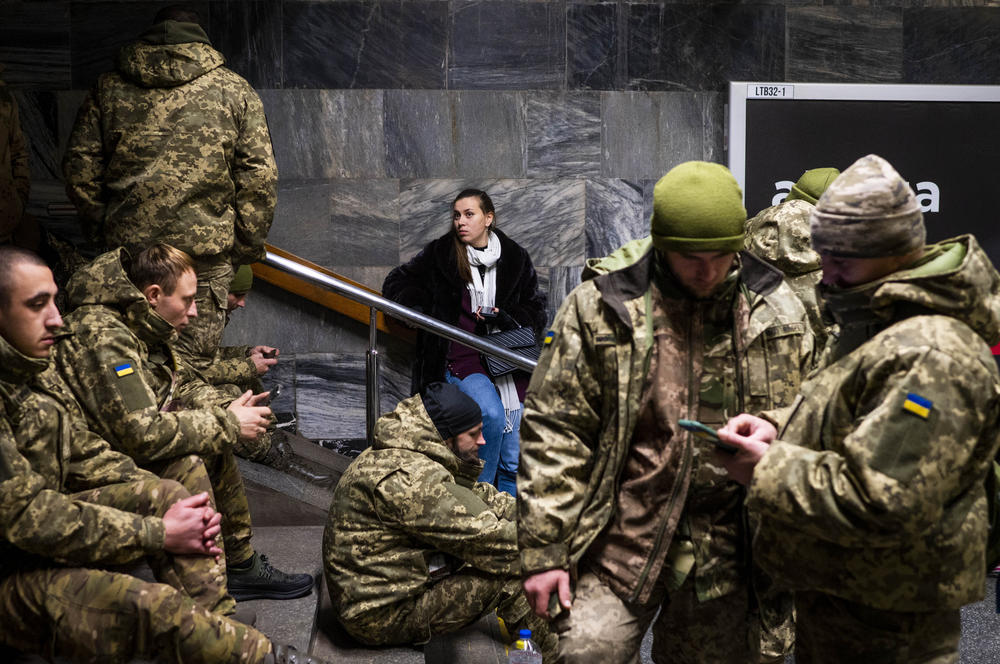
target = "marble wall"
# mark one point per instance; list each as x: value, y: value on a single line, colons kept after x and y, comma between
x: 566, y: 111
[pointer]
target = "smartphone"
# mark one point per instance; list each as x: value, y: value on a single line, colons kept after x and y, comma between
x: 488, y: 315
x: 706, y: 432
x: 269, y: 353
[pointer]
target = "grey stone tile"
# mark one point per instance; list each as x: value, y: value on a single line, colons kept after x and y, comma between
x: 954, y: 46
x: 326, y: 133
x: 614, y: 215
x: 701, y: 47
x: 35, y: 44
x: 490, y: 134
x: 593, y: 45
x: 546, y: 217
x: 452, y: 134
x: 38, y: 112
x: 564, y: 134
x: 391, y: 44
x: 338, y: 222
x: 507, y: 45
x: 843, y: 44
x: 330, y: 397
x: 420, y: 133
x: 248, y: 33
x: 644, y: 134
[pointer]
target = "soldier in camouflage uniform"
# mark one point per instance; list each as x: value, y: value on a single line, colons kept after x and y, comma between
x: 149, y: 404
x: 871, y: 499
x: 612, y: 495
x: 70, y: 508
x: 15, y: 176
x: 173, y: 147
x: 241, y: 366
x: 414, y: 546
x: 780, y: 235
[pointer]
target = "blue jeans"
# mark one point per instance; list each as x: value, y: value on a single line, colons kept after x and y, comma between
x: 501, y: 451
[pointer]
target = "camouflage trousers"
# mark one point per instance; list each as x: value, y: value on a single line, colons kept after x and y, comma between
x: 198, y: 341
x: 831, y: 630
x: 93, y: 615
x: 226, y: 484
x: 602, y: 628
x: 449, y: 605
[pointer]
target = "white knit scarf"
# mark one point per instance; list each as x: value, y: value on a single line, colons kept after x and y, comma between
x: 483, y: 293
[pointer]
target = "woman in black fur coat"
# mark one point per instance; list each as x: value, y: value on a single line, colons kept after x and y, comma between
x: 474, y: 268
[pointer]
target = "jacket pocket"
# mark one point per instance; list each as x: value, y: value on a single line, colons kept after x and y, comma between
x: 773, y: 365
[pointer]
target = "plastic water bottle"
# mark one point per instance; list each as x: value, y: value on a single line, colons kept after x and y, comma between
x: 524, y: 650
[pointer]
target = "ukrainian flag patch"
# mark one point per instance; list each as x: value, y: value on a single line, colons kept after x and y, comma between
x: 918, y: 405
x: 549, y: 336
x: 124, y: 369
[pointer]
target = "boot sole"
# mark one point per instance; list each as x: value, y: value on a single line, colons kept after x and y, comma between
x: 253, y: 593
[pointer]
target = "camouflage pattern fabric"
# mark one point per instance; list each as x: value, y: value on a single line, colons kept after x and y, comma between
x: 198, y: 341
x: 47, y: 452
x: 602, y: 628
x: 92, y: 615
x: 874, y: 491
x: 836, y: 631
x: 582, y: 406
x: 780, y: 236
x: 118, y: 361
x: 869, y: 211
x: 173, y: 147
x: 15, y: 175
x: 232, y: 365
x: 413, y: 545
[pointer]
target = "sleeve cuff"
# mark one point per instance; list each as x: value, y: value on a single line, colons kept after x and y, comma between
x: 553, y: 556
x: 152, y: 534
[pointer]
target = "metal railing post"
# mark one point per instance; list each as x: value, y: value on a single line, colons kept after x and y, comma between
x: 373, y: 402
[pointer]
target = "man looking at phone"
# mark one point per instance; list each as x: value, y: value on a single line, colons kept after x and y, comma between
x: 616, y: 503
x: 871, y: 500
x: 241, y: 366
x: 148, y: 403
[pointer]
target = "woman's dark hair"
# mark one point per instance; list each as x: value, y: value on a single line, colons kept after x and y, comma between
x: 486, y: 205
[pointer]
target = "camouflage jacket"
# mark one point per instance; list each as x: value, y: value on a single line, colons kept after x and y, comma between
x: 584, y: 399
x: 874, y: 490
x: 231, y: 365
x: 405, y: 504
x: 133, y: 388
x: 46, y: 453
x: 780, y: 235
x: 173, y: 147
x: 15, y: 177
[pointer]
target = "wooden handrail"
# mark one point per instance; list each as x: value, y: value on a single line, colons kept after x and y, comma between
x: 323, y: 297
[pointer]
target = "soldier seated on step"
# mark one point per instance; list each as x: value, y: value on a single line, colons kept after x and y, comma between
x: 141, y: 397
x: 71, y: 508
x: 414, y: 546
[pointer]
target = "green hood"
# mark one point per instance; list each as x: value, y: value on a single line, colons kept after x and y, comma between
x: 409, y: 427
x: 169, y: 54
x: 620, y: 258
x: 780, y: 235
x: 954, y: 278
x: 104, y: 282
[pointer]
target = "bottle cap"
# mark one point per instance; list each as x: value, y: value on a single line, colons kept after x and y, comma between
x: 524, y: 634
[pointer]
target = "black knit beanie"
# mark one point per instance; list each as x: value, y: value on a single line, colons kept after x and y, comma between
x: 452, y: 411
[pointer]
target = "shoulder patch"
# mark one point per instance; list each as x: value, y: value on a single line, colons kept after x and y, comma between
x: 124, y: 369
x: 918, y: 405
x: 549, y: 336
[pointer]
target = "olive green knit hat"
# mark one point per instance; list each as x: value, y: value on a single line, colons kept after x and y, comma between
x: 242, y: 281
x: 812, y: 184
x: 698, y: 206
x: 868, y: 212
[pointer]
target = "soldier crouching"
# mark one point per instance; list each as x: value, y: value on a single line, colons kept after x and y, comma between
x: 414, y: 546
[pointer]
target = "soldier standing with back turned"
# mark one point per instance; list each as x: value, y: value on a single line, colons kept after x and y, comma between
x: 174, y: 148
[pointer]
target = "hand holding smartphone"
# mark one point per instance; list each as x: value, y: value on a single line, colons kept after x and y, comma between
x: 706, y: 432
